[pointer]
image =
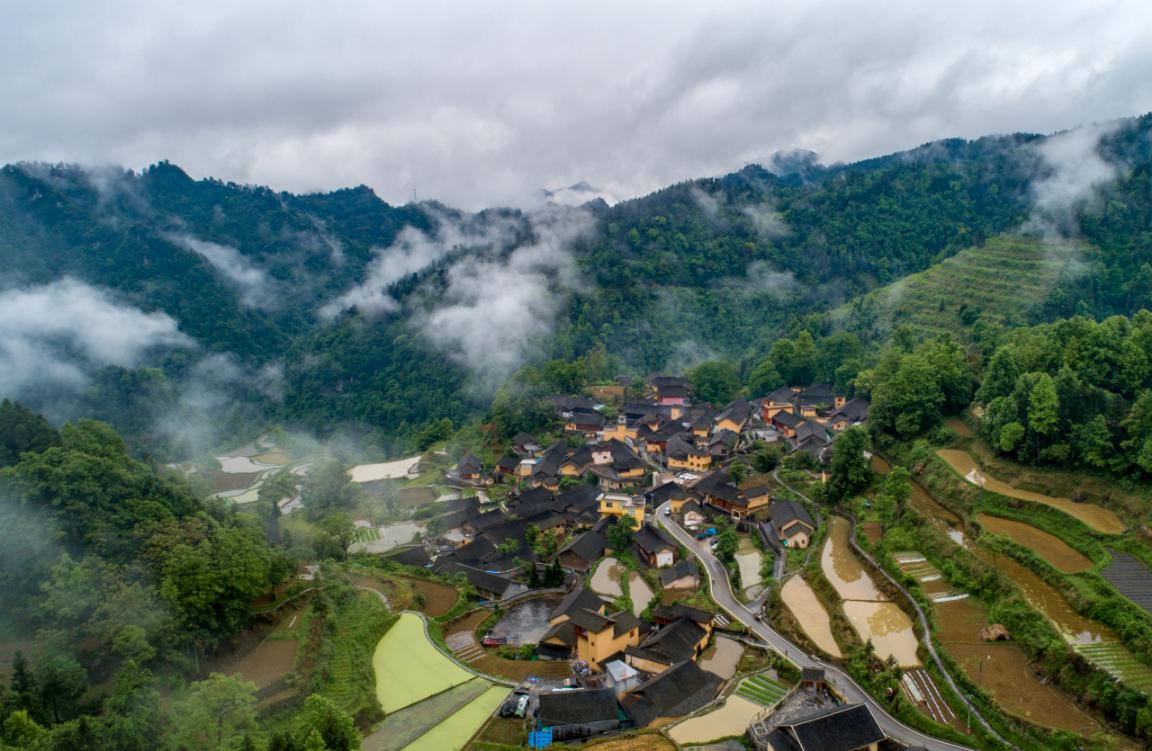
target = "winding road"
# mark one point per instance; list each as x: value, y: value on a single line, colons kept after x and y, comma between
x: 837, y: 678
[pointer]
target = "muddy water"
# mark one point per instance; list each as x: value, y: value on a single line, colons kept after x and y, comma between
x: 606, y: 580
x: 723, y: 658
x: 1049, y: 547
x: 889, y: 628
x: 731, y: 719
x: 1095, y: 517
x: 640, y: 593
x: 1048, y: 600
x: 959, y: 427
x: 748, y: 558
x: 810, y: 613
x: 1006, y: 672
x: 525, y: 623
x: 842, y: 568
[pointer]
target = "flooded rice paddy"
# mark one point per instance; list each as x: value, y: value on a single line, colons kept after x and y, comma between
x: 810, y: 614
x: 384, y: 470
x: 606, y: 581
x: 1049, y: 547
x: 873, y: 617
x: 731, y: 719
x: 1004, y: 671
x: 842, y: 568
x: 1095, y: 517
x: 456, y: 731
x: 409, y: 668
x: 889, y: 628
x: 748, y: 558
x: 723, y: 657
x: 391, y: 536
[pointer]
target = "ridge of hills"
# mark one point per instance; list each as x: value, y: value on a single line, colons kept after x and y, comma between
x: 338, y: 310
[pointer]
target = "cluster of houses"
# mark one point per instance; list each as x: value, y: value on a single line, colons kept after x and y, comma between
x: 668, y: 431
x: 659, y: 452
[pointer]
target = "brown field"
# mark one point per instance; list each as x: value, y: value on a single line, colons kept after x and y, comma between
x: 873, y: 531
x: 1048, y: 546
x: 416, y: 496
x: 257, y: 657
x: 641, y: 742
x: 506, y: 730
x: 438, y: 598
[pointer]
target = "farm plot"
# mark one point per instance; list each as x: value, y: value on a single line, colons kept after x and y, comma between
x: 456, y: 731
x: 1118, y: 661
x: 409, y: 668
x: 762, y: 690
x: 1131, y: 577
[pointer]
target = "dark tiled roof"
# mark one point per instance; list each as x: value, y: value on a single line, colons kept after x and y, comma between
x: 414, y: 556
x: 651, y: 540
x: 844, y: 728
x: 679, y: 571
x: 589, y: 620
x: 482, y: 580
x: 671, y: 644
x: 470, y: 463
x: 738, y: 411
x: 782, y: 395
x: 588, y: 546
x: 783, y: 512
x: 508, y: 463
x: 578, y: 498
x: 668, y: 491
x: 577, y: 599
x: 669, y: 613
x: 677, y: 691
x: 577, y: 707
x: 660, y: 381
x: 853, y: 409
x: 786, y: 419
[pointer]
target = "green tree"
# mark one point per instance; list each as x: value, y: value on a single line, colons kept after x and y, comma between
x: 738, y: 471
x: 768, y: 458
x: 715, y: 381
x: 213, y: 714
x: 340, y: 529
x: 727, y: 543
x: 335, y: 727
x: 20, y: 731
x: 132, y: 713
x: 60, y: 682
x: 622, y: 533
x: 22, y: 430
x: 1043, y: 406
x: 999, y: 377
x: 851, y: 472
x: 327, y: 488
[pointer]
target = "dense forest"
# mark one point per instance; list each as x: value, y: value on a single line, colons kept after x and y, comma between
x: 327, y: 311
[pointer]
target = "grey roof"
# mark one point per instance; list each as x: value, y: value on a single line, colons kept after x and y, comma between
x: 679, y: 690
x: 738, y: 411
x: 853, y: 409
x: 588, y: 546
x: 844, y: 728
x: 679, y: 571
x: 482, y: 580
x: 652, y: 540
x: 577, y: 707
x: 577, y: 599
x: 787, y: 419
x: 673, y: 643
x: 470, y: 463
x: 670, y: 613
x: 782, y: 395
x: 783, y: 512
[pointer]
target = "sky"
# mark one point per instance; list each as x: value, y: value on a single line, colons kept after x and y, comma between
x: 482, y: 104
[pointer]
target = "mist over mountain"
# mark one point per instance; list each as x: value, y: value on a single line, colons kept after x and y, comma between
x: 184, y: 310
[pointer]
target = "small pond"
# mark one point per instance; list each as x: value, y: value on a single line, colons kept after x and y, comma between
x: 526, y: 622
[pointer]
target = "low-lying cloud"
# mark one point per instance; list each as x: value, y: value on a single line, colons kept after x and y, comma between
x: 497, y: 310
x: 1077, y: 172
x: 412, y: 251
x: 59, y: 332
x: 253, y: 284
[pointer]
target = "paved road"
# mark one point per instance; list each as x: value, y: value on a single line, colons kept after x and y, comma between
x: 844, y: 685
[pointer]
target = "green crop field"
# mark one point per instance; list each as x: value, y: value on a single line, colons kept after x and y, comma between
x: 409, y: 668
x: 1118, y: 661
x: 454, y: 732
x: 762, y: 690
x: 365, y: 534
x: 999, y: 282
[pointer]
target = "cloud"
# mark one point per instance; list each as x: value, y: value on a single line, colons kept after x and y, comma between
x: 768, y: 222
x: 57, y: 333
x: 497, y: 310
x: 1076, y: 172
x: 215, y: 400
x: 486, y: 104
x: 254, y: 286
x: 412, y: 252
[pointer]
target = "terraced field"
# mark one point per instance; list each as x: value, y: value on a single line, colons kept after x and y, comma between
x: 1118, y: 661
x: 999, y: 282
x: 1131, y: 578
x: 762, y: 690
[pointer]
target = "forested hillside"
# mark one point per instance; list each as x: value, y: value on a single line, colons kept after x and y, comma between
x: 339, y: 311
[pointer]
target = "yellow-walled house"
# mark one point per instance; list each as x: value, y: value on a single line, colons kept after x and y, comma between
x: 622, y: 504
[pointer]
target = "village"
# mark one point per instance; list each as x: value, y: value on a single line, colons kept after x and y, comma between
x: 572, y: 544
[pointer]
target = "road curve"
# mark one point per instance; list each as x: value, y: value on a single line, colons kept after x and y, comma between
x: 840, y: 680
